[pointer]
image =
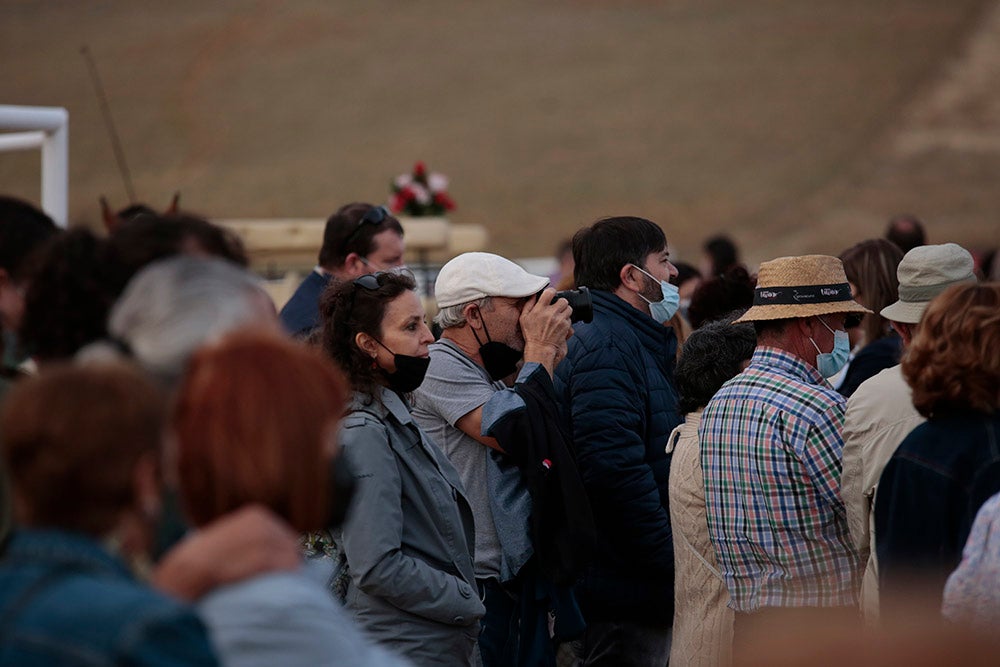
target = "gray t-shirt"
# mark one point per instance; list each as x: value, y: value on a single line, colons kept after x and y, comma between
x: 453, y: 387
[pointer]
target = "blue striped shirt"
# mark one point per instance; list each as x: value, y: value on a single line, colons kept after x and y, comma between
x: 771, y: 452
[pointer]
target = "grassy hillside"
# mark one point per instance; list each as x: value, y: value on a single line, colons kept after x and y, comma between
x: 769, y: 119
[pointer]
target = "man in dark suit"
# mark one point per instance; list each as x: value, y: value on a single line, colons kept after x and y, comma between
x: 358, y: 239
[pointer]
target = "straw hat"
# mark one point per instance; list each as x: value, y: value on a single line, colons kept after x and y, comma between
x: 925, y: 272
x: 803, y: 286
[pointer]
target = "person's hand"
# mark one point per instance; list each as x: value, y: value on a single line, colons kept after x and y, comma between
x: 250, y: 541
x: 546, y: 327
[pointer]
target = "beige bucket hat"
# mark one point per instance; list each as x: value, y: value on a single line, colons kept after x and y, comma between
x: 925, y: 272
x: 803, y: 286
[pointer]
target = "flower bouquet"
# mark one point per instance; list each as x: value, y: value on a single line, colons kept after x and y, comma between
x: 421, y: 193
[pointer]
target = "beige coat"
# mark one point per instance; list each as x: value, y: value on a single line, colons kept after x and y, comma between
x: 703, y: 624
x: 880, y: 414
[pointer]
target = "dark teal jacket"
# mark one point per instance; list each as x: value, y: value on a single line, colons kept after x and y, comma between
x: 64, y: 600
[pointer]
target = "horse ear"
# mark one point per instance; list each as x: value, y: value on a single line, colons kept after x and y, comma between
x: 174, y: 204
x: 110, y: 219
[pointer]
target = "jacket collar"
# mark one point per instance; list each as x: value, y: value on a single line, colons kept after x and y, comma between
x: 385, y: 402
x: 63, y: 549
x: 651, y: 334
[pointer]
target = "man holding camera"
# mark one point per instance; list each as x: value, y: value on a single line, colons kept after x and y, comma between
x: 494, y: 315
x: 617, y: 391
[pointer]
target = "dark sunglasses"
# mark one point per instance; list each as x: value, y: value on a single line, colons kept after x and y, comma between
x: 374, y: 216
x: 369, y: 281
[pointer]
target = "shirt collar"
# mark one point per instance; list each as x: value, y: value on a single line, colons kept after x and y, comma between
x: 774, y: 358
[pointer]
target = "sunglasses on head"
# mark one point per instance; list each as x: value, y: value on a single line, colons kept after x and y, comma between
x: 373, y: 216
x: 369, y: 281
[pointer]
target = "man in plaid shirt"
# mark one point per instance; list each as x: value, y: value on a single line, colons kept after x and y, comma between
x: 771, y: 447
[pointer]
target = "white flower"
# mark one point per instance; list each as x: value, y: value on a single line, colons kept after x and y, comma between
x: 402, y: 181
x: 420, y: 194
x: 437, y: 182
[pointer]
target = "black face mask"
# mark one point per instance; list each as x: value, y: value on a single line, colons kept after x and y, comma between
x: 409, y: 373
x: 499, y: 359
x: 339, y: 492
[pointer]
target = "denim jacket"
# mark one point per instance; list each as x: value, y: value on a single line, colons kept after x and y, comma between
x: 64, y: 600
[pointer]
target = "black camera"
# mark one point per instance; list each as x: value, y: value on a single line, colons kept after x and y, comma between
x: 580, y: 302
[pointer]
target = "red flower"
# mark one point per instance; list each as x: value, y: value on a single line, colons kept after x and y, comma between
x: 419, y: 170
x: 444, y: 201
x: 397, y: 203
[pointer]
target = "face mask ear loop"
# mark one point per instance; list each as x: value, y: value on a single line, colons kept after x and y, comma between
x: 485, y: 330
x: 815, y: 345
x: 383, y: 346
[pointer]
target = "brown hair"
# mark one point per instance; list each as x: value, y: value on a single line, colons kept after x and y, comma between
x: 72, y: 437
x: 348, y: 308
x: 952, y: 362
x: 871, y: 267
x: 253, y: 416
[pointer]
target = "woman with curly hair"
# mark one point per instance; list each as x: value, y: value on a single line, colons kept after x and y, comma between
x: 948, y: 466
x: 409, y: 535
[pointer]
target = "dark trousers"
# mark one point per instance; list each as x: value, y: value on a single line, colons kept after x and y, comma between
x: 624, y: 644
x: 515, y: 630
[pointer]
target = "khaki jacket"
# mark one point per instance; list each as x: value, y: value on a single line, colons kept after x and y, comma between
x: 880, y: 414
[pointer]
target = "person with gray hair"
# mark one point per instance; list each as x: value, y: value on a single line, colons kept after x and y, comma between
x: 174, y: 306
x: 703, y: 624
x: 493, y: 319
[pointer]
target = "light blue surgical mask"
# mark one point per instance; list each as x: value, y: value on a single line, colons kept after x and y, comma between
x: 664, y: 309
x: 829, y: 363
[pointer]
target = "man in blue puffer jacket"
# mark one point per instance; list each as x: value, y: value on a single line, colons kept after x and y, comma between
x: 617, y: 392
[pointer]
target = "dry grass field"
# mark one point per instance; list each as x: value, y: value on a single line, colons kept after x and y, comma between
x: 794, y: 125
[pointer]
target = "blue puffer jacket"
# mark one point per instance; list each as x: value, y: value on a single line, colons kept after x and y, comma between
x: 617, y: 392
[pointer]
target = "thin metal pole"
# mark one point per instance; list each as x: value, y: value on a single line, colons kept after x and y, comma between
x: 116, y: 143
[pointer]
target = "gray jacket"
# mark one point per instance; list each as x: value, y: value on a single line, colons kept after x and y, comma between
x: 409, y: 538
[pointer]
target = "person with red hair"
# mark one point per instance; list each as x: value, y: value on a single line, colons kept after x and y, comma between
x: 947, y: 467
x: 255, y: 421
x: 82, y: 446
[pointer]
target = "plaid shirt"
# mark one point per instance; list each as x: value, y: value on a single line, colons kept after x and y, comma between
x: 771, y: 453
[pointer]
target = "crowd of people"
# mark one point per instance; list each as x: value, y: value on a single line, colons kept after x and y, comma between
x: 663, y: 464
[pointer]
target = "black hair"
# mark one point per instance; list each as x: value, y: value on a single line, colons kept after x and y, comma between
x: 342, y: 235
x: 710, y: 357
x: 144, y: 239
x: 723, y: 253
x: 906, y: 231
x: 72, y: 288
x: 347, y: 309
x: 717, y: 297
x: 23, y: 229
x: 601, y: 250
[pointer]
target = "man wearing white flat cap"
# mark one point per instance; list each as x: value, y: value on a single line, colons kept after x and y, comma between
x: 880, y: 413
x: 771, y: 450
x: 493, y: 315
